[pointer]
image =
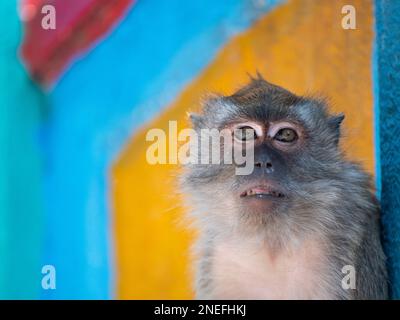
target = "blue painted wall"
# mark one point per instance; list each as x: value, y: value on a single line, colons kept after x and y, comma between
x: 387, y: 92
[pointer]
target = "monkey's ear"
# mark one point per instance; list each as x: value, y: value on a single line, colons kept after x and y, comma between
x: 334, y: 123
x: 196, y: 119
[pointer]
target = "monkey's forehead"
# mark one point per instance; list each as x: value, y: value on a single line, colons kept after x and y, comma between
x: 307, y: 112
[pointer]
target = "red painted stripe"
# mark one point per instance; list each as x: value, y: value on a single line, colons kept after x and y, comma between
x: 79, y: 23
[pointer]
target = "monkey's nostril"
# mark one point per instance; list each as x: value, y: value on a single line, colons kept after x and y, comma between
x: 267, y: 165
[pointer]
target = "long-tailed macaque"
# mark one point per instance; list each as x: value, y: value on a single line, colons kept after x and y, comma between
x: 303, y: 225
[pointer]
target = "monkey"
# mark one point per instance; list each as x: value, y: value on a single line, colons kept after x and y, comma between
x: 305, y: 214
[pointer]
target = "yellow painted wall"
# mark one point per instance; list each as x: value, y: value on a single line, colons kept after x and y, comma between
x: 301, y: 46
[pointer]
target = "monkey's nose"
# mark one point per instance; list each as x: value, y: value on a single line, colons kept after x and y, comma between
x: 264, y: 164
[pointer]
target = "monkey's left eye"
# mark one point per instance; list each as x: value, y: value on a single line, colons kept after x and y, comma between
x: 245, y: 133
x: 286, y: 135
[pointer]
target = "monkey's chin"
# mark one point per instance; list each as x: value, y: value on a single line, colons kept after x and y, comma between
x: 262, y: 204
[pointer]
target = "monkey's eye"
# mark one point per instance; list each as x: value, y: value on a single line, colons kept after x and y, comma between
x: 245, y: 133
x: 286, y: 135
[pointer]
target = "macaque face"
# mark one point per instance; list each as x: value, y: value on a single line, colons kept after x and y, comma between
x: 295, y: 150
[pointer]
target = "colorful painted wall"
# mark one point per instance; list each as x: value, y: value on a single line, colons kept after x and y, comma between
x: 76, y: 191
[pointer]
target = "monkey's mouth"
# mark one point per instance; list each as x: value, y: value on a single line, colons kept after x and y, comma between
x: 262, y: 192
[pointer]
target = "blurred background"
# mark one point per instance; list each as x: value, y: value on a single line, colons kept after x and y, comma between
x: 77, y: 98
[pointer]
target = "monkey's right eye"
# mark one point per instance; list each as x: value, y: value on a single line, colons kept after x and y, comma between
x: 287, y: 135
x: 245, y: 133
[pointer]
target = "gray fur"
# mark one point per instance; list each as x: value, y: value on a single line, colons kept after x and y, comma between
x: 330, y: 196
